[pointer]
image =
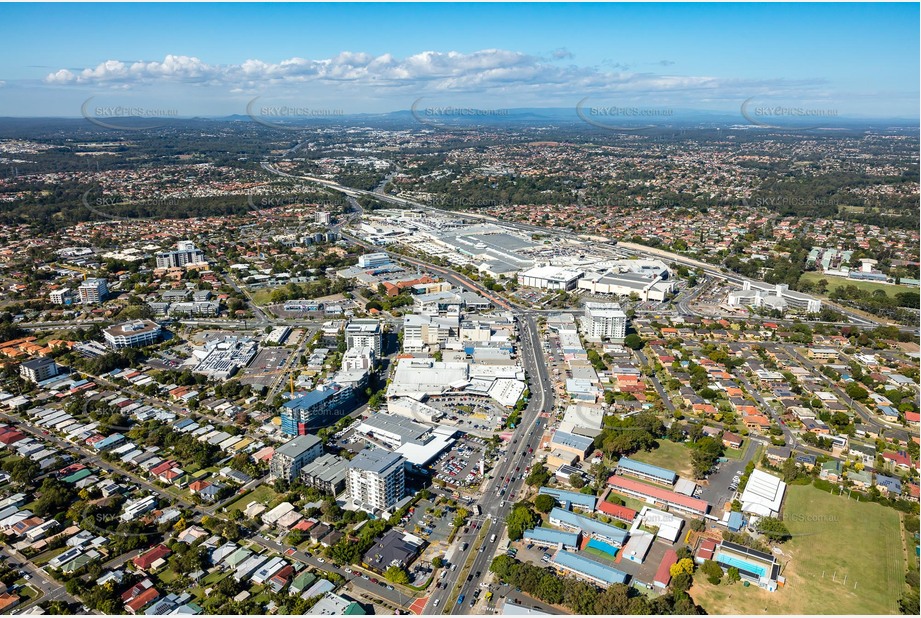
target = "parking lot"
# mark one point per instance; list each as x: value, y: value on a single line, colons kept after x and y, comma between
x: 429, y: 526
x: 460, y: 467
x: 264, y: 369
x: 476, y: 414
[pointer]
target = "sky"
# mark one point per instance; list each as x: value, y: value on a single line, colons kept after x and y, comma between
x: 848, y: 59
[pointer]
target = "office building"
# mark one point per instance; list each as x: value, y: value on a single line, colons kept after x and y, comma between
x: 364, y: 334
x: 373, y: 260
x: 376, y: 479
x: 134, y: 334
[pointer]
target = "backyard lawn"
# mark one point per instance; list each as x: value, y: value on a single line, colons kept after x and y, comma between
x: 263, y: 494
x: 834, y: 538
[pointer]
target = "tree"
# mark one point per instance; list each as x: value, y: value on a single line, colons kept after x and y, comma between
x: 634, y: 341
x: 437, y: 562
x: 713, y: 571
x: 856, y: 391
x: 685, y: 565
x: 519, y: 519
x: 544, y: 503
x: 774, y: 529
x: 397, y: 575
x: 576, y: 480
x: 538, y: 476
x: 732, y: 575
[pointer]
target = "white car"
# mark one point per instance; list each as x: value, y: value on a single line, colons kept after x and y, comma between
x: 437, y: 601
x: 321, y: 560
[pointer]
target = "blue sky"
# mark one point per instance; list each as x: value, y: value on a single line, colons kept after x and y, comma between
x: 214, y: 59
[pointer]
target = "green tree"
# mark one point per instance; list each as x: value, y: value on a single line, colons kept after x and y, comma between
x: 544, y: 503
x: 634, y: 341
x: 397, y: 575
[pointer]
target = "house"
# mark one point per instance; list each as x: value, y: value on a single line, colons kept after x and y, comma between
x: 151, y: 557
x: 860, y: 479
x: 889, y: 486
x: 778, y: 455
x: 831, y: 471
x: 756, y: 422
x: 731, y: 440
x: 900, y: 459
x: 145, y: 598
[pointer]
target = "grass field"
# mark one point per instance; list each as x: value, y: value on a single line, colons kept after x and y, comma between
x: 669, y: 455
x: 870, y: 286
x: 833, y: 537
x: 263, y: 296
x: 262, y: 494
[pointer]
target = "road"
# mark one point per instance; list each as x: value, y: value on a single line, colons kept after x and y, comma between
x: 51, y: 590
x: 663, y: 395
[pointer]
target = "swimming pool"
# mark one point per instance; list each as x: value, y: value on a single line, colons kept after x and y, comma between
x: 742, y: 565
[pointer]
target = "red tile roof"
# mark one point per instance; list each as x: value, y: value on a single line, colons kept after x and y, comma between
x: 137, y: 603
x: 153, y: 554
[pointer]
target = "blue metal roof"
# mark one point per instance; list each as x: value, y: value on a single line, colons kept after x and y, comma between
x: 590, y: 567
x: 644, y: 468
x: 549, y: 535
x: 589, y: 525
x: 573, y: 497
x: 573, y: 441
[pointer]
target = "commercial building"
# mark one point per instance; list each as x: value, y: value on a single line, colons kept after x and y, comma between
x: 288, y: 459
x: 364, y: 334
x: 605, y: 321
x: 133, y: 334
x: 224, y: 357
x: 373, y: 260
x: 185, y: 253
x: 93, y: 291
x: 38, y: 369
x: 395, y: 548
x: 550, y: 278
x: 376, y: 479
x: 645, y: 471
x: 580, y: 446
